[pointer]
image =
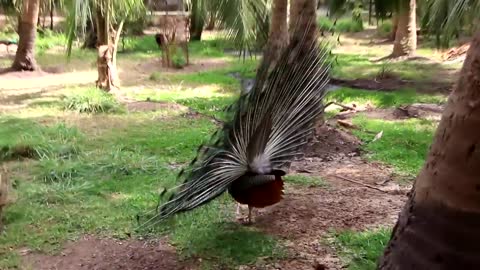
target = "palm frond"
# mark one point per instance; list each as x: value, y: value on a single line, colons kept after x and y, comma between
x: 445, y: 18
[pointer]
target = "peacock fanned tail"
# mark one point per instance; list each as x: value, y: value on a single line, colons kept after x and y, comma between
x: 266, y: 128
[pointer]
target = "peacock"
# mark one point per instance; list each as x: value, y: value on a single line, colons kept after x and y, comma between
x: 265, y: 131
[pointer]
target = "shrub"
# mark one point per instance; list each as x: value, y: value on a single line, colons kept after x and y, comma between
x: 385, y: 28
x: 178, y: 60
x: 344, y: 25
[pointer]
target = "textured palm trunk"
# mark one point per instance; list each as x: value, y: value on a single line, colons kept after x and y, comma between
x: 107, y: 43
x: 439, y: 226
x: 278, y: 36
x: 27, y: 30
x: 406, y: 36
x: 394, y: 27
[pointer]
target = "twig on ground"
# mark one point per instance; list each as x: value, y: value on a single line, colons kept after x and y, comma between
x: 341, y: 105
x: 360, y: 183
x: 347, y: 124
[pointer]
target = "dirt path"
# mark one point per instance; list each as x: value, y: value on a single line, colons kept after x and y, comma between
x: 91, y: 253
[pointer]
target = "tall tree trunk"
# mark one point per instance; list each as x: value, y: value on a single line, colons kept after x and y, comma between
x: 52, y: 8
x: 394, y: 26
x: 293, y: 13
x: 278, y: 36
x: 406, y: 37
x: 303, y: 22
x: 27, y: 30
x: 197, y: 22
x: 439, y: 226
x: 107, y: 43
x: 370, y: 11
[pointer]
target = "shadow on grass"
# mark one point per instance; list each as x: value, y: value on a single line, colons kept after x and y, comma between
x: 232, y: 244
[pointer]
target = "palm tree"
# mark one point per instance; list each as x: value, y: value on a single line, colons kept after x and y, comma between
x: 110, y: 16
x: 439, y: 225
x: 27, y: 31
x: 405, y: 43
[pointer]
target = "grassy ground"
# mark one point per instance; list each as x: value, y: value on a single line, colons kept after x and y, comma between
x: 361, y: 250
x: 94, y: 168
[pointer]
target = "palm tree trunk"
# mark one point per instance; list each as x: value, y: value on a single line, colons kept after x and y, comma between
x: 439, y: 226
x: 197, y: 22
x: 27, y: 30
x: 394, y: 26
x: 106, y: 46
x: 278, y: 36
x: 406, y: 36
x: 303, y: 23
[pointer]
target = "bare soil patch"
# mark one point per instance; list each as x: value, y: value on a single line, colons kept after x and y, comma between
x: 108, y: 254
x: 145, y: 106
x: 392, y: 84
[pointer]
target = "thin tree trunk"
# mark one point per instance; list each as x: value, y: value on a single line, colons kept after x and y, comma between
x: 406, y: 36
x: 27, y: 30
x: 439, y: 226
x: 52, y: 8
x: 106, y: 66
x: 370, y: 8
x: 197, y: 23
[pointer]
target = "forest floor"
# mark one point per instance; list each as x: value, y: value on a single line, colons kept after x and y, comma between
x: 84, y: 182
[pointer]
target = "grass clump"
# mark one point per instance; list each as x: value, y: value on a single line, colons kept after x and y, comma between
x: 385, y: 28
x: 91, y: 100
x: 361, y: 250
x: 404, y: 144
x: 20, y: 138
x: 382, y: 99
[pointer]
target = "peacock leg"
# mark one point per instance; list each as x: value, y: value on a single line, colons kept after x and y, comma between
x: 249, y: 220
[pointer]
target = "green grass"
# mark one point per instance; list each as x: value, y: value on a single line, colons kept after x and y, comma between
x: 148, y: 45
x: 90, y: 100
x: 354, y: 66
x: 114, y: 175
x: 404, y: 144
x: 24, y: 138
x: 382, y: 99
x: 343, y: 25
x: 305, y: 180
x: 361, y: 250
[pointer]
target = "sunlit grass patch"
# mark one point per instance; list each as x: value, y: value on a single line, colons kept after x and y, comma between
x: 403, y: 145
x: 383, y: 99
